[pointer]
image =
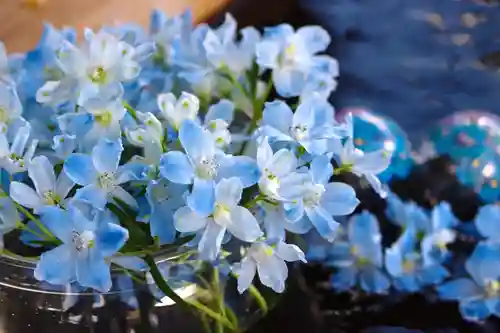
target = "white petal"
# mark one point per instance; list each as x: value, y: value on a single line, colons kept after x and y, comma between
x: 244, y: 225
x: 246, y: 272
x: 228, y: 192
x: 185, y: 220
x: 24, y: 195
x: 41, y: 172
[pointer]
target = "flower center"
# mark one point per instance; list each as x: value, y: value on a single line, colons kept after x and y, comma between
x: 98, y: 75
x: 106, y: 180
x: 299, y: 132
x: 104, y: 119
x: 492, y: 288
x: 313, y: 195
x: 222, y: 215
x: 83, y: 240
x: 207, y: 168
x: 269, y: 182
x: 51, y: 198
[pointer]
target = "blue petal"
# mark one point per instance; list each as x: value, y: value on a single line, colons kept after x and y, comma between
x: 443, y: 218
x: 211, y: 241
x: 344, y: 278
x: 57, y: 266
x: 300, y: 227
x: 321, y: 169
x: 488, y: 222
x: 434, y: 274
x: 484, y: 263
x: 242, y: 167
x: 110, y: 238
x: 58, y: 221
x: 294, y: 210
x: 162, y: 223
x: 373, y: 280
x: 202, y: 197
x: 316, y: 39
x: 474, y: 309
x: 339, y: 199
x: 176, y: 167
x: 224, y: 110
x: 267, y: 54
x: 93, y: 195
x: 77, y: 124
x: 92, y: 271
x: 288, y: 83
x: 278, y: 115
x: 364, y: 233
x: 458, y: 289
x: 323, y: 222
x: 407, y: 282
x: 133, y: 263
x: 196, y: 141
x: 106, y: 155
x: 80, y: 169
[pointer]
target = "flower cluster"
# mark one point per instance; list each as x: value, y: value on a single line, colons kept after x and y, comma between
x: 131, y: 141
x: 420, y: 260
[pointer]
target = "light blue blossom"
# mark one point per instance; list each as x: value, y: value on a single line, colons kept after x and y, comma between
x: 15, y: 157
x: 434, y: 244
x: 176, y: 110
x: 487, y: 222
x: 319, y: 200
x: 202, y: 165
x: 63, y: 145
x: 217, y: 121
x: 99, y: 66
x: 359, y: 258
x: 10, y: 105
x: 86, y: 245
x: 164, y: 199
x: 404, y: 214
x: 276, y: 223
x: 49, y: 190
x: 269, y: 262
x: 226, y: 215
x: 411, y: 269
x: 292, y: 57
x: 100, y: 175
x: 479, y: 294
x: 310, y: 126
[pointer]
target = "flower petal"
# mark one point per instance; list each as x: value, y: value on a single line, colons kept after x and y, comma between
x: 110, y: 238
x: 344, y: 278
x: 373, y: 162
x: 133, y: 263
x: 42, y: 174
x: 106, y: 155
x: 93, y: 195
x: 245, y: 272
x: 202, y: 197
x: 321, y: 169
x: 488, y: 222
x: 290, y: 252
x: 458, y: 289
x: 244, y: 225
x: 326, y: 226
x: 474, y: 309
x: 176, y: 167
x: 316, y: 39
x: 186, y: 220
x: 278, y: 115
x: 283, y: 163
x: 373, y: 280
x: 242, y: 167
x: 80, y: 169
x: 196, y: 141
x: 264, y: 154
x: 92, y: 271
x: 211, y: 241
x: 127, y: 198
x: 224, y: 110
x: 57, y: 266
x: 273, y: 273
x: 228, y: 192
x: 58, y: 221
x: 25, y: 195
x: 339, y: 199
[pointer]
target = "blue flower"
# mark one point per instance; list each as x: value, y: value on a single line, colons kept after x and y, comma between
x: 479, y: 294
x: 100, y: 175
x: 405, y: 214
x: 15, y: 157
x: 202, y: 165
x: 359, y: 259
x: 217, y: 121
x: 86, y: 245
x: 310, y: 126
x: 292, y: 57
x: 226, y: 215
x: 98, y: 67
x: 269, y: 262
x: 49, y: 189
x: 320, y: 200
x: 164, y: 199
x: 434, y: 244
x: 487, y: 222
x: 63, y: 145
x: 276, y: 223
x: 411, y: 269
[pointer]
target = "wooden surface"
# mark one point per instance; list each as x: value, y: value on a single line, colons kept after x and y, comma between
x: 21, y: 24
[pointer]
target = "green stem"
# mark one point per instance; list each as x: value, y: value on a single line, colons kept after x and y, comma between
x: 23, y: 226
x: 165, y: 288
x: 219, y: 298
x: 130, y: 110
x: 40, y: 225
x: 261, y: 301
